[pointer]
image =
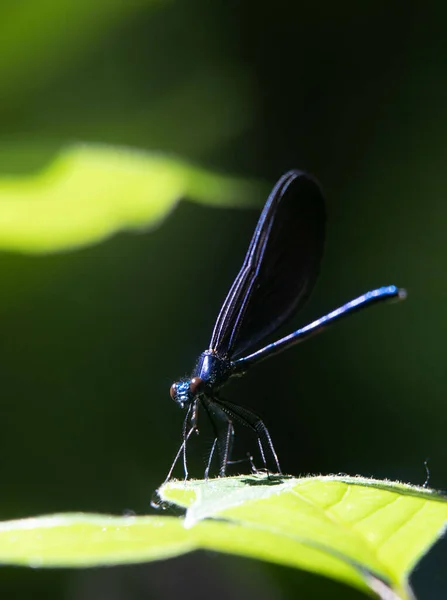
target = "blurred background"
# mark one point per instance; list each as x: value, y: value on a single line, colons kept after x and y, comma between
x: 92, y: 338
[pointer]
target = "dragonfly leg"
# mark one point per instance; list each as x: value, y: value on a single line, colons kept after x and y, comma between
x: 224, y: 431
x: 210, y: 458
x: 256, y: 424
x: 182, y: 450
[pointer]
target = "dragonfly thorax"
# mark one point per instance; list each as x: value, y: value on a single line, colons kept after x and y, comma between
x: 209, y: 374
x: 212, y: 369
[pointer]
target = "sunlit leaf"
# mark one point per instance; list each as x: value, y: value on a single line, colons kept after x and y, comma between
x: 86, y: 193
x: 366, y: 533
x: 352, y: 529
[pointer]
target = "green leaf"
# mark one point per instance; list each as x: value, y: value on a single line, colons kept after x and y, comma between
x: 88, y: 192
x: 366, y: 533
x: 86, y: 540
x: 33, y: 34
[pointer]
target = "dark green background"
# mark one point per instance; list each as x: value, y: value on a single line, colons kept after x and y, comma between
x: 91, y: 340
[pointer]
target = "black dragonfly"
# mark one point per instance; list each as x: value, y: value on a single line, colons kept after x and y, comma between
x: 277, y: 276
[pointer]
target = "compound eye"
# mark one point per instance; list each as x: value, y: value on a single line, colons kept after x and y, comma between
x: 195, y: 384
x: 173, y: 391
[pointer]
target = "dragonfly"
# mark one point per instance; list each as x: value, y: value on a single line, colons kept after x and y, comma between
x: 277, y: 277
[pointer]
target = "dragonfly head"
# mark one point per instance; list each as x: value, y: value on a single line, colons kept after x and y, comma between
x: 184, y: 392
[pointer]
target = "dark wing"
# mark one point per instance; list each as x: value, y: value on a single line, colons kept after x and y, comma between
x: 280, y: 268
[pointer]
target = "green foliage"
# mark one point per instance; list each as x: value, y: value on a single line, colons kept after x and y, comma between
x: 366, y: 533
x: 88, y: 192
x: 32, y: 34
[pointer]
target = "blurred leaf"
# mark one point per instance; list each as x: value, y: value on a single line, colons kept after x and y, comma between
x: 33, y: 33
x: 366, y: 533
x: 109, y: 72
x: 195, y: 116
x: 89, y: 192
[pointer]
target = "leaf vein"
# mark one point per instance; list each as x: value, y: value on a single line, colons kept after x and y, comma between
x: 376, y: 510
x: 401, y: 526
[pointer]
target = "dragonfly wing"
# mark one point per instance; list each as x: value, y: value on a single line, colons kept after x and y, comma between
x: 280, y: 268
